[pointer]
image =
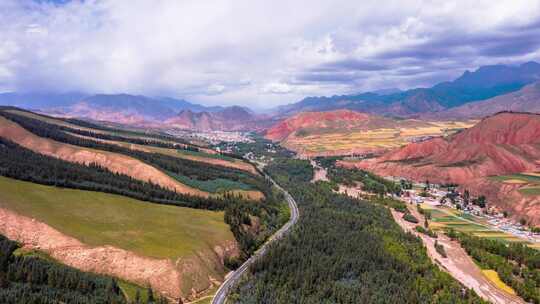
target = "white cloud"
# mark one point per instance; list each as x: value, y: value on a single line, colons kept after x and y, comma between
x: 277, y: 88
x: 257, y: 53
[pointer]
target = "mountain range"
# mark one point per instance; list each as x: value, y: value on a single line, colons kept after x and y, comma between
x: 232, y: 118
x: 485, y: 91
x: 135, y: 110
x: 484, y: 83
x: 525, y: 100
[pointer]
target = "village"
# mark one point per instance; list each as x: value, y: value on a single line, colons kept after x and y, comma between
x: 475, y: 211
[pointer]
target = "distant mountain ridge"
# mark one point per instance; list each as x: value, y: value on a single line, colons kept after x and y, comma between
x: 484, y: 83
x: 232, y: 118
x: 120, y: 108
x: 471, y: 93
x: 525, y: 100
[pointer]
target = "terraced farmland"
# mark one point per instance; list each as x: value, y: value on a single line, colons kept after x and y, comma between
x: 444, y: 218
x: 347, y: 141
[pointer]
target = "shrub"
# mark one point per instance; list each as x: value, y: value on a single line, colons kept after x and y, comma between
x: 410, y: 218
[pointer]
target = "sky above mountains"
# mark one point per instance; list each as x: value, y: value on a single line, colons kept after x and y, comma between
x: 256, y: 53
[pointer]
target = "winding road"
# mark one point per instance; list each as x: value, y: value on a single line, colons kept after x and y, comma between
x: 221, y: 295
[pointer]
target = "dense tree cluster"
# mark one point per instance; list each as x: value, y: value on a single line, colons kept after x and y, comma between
x: 252, y: 224
x: 23, y: 164
x: 343, y: 250
x: 36, y: 280
x: 350, y: 177
x: 517, y: 265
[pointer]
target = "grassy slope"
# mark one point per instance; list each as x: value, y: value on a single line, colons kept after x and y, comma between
x: 103, y: 219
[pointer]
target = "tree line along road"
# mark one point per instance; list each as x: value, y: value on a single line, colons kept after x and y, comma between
x: 221, y: 295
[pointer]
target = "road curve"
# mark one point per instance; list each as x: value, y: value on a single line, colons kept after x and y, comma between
x: 221, y: 295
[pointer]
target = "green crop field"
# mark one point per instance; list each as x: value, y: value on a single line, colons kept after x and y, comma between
x: 533, y: 191
x: 444, y: 218
x: 213, y: 186
x: 99, y: 219
x: 208, y: 155
x: 530, y: 181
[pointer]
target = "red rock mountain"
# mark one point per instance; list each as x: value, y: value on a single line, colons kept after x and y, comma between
x: 344, y: 119
x: 501, y: 144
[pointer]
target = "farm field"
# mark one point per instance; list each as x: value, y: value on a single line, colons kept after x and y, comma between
x: 494, y: 277
x: 350, y: 141
x: 530, y: 182
x: 443, y: 218
x: 98, y: 219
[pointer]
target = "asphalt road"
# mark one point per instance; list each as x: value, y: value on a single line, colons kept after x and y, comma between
x: 221, y: 295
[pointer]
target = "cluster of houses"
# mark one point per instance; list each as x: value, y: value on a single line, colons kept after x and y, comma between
x: 435, y: 195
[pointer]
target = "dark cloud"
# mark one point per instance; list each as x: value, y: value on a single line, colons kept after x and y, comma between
x: 338, y: 77
x: 438, y: 57
x: 351, y: 65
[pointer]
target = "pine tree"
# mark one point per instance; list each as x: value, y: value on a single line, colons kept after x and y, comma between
x: 150, y: 299
x: 137, y: 297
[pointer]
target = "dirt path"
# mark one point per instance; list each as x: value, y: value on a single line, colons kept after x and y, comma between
x: 319, y: 173
x: 458, y: 264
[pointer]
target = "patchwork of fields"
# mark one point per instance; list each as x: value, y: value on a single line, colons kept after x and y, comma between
x: 334, y: 142
x: 444, y: 218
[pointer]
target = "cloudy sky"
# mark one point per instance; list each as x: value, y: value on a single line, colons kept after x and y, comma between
x: 256, y: 53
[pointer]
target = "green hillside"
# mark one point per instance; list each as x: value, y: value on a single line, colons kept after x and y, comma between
x: 104, y: 219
